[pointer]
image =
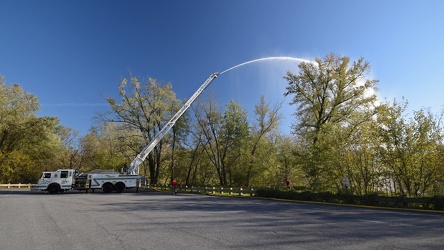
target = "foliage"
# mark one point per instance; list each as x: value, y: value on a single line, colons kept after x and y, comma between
x: 28, y: 144
x: 106, y: 146
x: 411, y: 149
x: 373, y: 199
x: 145, y: 108
x: 332, y: 98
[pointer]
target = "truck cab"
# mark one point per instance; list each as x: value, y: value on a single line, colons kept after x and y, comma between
x: 56, y: 181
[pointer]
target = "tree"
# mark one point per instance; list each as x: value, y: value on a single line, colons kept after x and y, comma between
x: 145, y: 108
x: 28, y: 144
x: 234, y: 138
x: 179, y: 134
x: 106, y: 146
x: 70, y: 150
x: 329, y: 92
x: 288, y: 166
x: 223, y: 136
x: 410, y: 149
x: 267, y: 120
x: 330, y: 95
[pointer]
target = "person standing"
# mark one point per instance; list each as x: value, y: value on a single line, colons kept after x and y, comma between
x: 173, y: 186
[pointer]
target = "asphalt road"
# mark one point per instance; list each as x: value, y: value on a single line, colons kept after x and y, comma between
x: 186, y: 221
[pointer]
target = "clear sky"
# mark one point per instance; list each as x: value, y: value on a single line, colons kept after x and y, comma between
x: 73, y: 54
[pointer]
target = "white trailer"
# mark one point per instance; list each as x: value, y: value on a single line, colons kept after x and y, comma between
x: 110, y: 181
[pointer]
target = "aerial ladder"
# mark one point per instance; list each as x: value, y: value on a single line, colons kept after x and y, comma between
x: 134, y: 166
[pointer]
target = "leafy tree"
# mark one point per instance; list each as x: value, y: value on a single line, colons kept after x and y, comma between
x: 179, y: 134
x: 69, y: 148
x: 223, y: 136
x: 145, y: 108
x: 267, y: 120
x: 410, y: 149
x: 288, y: 166
x: 234, y: 138
x: 106, y: 146
x: 28, y: 144
x: 329, y: 95
x: 197, y: 166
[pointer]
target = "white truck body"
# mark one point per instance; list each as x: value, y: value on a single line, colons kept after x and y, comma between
x: 110, y: 180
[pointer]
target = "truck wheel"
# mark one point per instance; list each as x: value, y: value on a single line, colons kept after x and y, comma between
x: 53, y: 189
x: 107, y: 188
x: 119, y: 187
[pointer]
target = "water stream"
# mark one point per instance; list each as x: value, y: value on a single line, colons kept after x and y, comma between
x: 267, y: 59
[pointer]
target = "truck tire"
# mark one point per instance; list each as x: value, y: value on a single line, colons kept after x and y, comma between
x: 119, y: 187
x: 107, y: 188
x: 53, y: 188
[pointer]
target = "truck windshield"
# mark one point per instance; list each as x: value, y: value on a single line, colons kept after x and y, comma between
x: 46, y: 175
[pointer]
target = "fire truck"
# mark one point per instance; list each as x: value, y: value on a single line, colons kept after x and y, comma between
x: 63, y: 180
x: 108, y: 181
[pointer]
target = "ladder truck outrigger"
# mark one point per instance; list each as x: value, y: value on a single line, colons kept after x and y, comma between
x: 108, y: 180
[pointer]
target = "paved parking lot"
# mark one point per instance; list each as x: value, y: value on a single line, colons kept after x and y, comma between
x: 187, y: 221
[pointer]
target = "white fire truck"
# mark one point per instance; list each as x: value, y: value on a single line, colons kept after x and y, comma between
x: 67, y: 179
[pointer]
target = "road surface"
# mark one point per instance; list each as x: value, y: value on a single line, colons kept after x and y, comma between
x: 151, y: 220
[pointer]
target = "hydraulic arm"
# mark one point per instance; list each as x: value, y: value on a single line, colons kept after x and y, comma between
x: 134, y: 166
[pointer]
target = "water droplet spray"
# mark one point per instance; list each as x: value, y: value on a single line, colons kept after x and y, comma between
x: 267, y: 59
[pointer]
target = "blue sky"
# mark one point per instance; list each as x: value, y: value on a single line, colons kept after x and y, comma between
x: 73, y: 54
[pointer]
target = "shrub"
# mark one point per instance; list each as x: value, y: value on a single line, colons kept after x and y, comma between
x: 347, y: 198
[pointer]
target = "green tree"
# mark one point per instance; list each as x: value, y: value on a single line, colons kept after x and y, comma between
x: 330, y: 95
x: 198, y: 169
x: 106, y: 146
x: 410, y: 149
x: 223, y: 136
x: 234, y: 138
x: 28, y: 143
x: 288, y: 166
x: 145, y: 108
x: 267, y: 121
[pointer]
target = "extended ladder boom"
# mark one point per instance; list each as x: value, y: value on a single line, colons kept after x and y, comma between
x: 134, y: 166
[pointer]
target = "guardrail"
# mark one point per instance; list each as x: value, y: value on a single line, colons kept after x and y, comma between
x: 211, y: 190
x: 20, y: 185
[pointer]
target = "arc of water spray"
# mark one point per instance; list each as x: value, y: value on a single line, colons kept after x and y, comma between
x: 267, y: 59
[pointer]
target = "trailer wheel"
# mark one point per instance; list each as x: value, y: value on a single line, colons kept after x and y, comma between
x: 53, y: 189
x: 107, y: 188
x: 119, y: 187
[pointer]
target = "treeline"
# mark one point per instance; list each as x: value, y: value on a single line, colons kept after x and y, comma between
x: 28, y: 143
x: 344, y: 138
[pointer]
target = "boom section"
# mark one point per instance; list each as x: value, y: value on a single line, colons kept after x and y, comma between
x: 134, y: 166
